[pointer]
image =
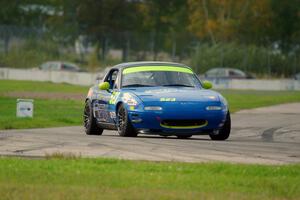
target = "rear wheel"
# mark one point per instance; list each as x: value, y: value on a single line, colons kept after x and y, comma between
x: 125, y: 128
x: 89, y: 121
x: 224, y: 132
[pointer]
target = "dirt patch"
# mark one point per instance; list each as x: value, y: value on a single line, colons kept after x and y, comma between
x: 46, y: 95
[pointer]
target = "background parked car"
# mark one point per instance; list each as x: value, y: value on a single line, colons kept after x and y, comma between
x: 60, y: 66
x: 297, y: 76
x: 227, y: 73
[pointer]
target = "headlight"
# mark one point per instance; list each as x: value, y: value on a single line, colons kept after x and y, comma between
x: 153, y: 108
x: 129, y: 99
x: 213, y: 108
x: 132, y: 102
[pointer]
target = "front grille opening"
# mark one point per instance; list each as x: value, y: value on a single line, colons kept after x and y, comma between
x: 186, y: 122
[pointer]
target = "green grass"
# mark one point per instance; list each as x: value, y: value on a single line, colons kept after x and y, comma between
x: 51, y: 113
x: 47, y: 113
x: 247, y: 99
x: 119, y: 179
x: 76, y: 178
x: 35, y: 86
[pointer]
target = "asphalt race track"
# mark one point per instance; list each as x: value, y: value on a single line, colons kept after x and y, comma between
x: 268, y: 135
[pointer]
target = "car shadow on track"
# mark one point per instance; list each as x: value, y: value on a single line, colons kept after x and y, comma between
x: 160, y: 137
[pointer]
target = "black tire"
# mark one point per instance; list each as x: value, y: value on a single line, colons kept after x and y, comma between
x: 224, y: 132
x: 125, y: 128
x: 89, y: 121
x: 183, y: 136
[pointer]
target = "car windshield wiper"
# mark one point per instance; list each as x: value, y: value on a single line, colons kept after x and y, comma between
x: 137, y: 85
x: 180, y: 85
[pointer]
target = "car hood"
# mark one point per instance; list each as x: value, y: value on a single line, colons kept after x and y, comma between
x: 150, y: 94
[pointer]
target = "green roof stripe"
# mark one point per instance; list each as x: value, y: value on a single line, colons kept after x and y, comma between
x: 157, y: 68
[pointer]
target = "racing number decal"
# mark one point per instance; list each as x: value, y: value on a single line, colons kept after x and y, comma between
x: 167, y: 99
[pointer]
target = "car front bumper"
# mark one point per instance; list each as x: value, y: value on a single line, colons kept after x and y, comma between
x: 151, y: 122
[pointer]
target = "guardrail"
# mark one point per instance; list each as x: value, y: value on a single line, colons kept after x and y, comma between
x: 83, y: 78
x: 76, y: 78
x: 256, y: 84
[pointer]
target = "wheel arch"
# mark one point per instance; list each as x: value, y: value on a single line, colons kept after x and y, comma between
x: 118, y: 105
x: 88, y: 98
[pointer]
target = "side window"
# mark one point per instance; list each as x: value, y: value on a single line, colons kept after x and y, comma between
x: 218, y: 72
x: 112, y: 78
x: 67, y: 67
x: 212, y: 72
x: 236, y: 73
x: 70, y: 67
x: 45, y: 66
x: 51, y: 66
x: 55, y: 66
x: 221, y: 73
x: 232, y: 73
x: 115, y: 79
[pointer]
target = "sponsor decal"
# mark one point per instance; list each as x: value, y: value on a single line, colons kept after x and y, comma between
x: 212, y: 97
x: 114, y: 97
x: 112, y: 115
x: 99, y: 96
x: 99, y: 106
x: 160, y: 91
x: 167, y: 99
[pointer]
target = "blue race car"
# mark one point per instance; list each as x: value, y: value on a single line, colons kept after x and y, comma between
x: 156, y: 98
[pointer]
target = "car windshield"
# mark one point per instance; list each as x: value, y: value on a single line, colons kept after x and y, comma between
x: 160, y: 78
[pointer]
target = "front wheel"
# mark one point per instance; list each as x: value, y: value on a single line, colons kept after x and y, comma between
x: 224, y: 132
x: 125, y: 128
x: 89, y: 121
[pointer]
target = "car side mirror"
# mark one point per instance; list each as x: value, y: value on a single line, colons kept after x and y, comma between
x: 104, y: 86
x: 207, y: 85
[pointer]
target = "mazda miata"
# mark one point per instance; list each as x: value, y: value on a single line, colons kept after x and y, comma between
x: 159, y: 98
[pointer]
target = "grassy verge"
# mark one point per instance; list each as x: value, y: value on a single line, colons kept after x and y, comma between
x: 119, y: 179
x: 47, y: 113
x: 247, y: 99
x: 59, y: 112
x: 35, y: 86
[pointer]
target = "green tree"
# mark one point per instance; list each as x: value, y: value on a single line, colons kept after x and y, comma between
x: 286, y: 23
x: 215, y: 20
x: 166, y: 21
x: 101, y: 18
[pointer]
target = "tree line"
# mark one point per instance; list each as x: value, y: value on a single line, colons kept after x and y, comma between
x: 270, y: 24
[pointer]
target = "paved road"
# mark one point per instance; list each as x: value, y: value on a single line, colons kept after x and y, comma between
x: 268, y: 135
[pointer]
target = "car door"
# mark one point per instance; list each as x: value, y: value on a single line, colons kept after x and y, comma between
x: 106, y: 99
